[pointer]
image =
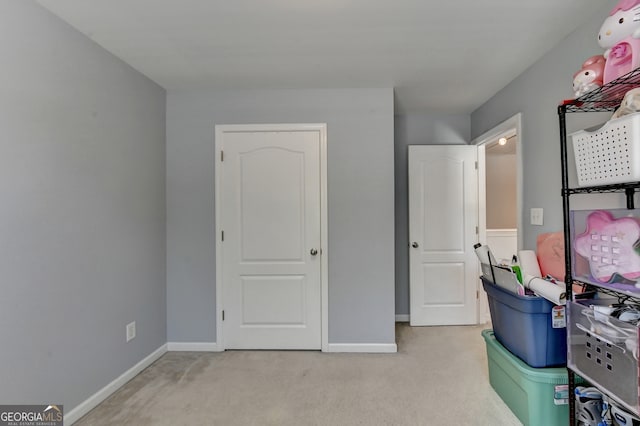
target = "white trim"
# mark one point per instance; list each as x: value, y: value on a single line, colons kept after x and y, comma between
x: 403, y: 317
x: 481, y: 299
x: 482, y: 195
x: 324, y: 239
x: 509, y: 127
x: 501, y: 232
x: 193, y: 347
x: 95, y: 399
x: 373, y: 348
x: 503, y: 243
x: 217, y: 185
x: 220, y: 129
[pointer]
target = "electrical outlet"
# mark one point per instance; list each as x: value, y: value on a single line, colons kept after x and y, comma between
x: 537, y: 216
x: 131, y: 331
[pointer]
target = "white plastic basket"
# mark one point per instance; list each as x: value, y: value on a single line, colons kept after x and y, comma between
x: 610, y: 154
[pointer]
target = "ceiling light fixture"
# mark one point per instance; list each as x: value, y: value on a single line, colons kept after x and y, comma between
x: 502, y: 141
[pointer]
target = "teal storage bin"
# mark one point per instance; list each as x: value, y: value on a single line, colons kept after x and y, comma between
x: 529, y: 392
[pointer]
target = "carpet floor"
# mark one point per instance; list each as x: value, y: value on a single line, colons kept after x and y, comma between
x: 438, y: 377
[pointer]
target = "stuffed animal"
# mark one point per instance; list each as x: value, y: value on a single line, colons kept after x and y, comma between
x: 609, y: 244
x: 630, y: 104
x: 620, y: 36
x: 590, y: 75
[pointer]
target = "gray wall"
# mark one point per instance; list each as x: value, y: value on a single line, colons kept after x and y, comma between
x: 360, y: 192
x: 417, y: 129
x: 536, y: 94
x: 82, y: 218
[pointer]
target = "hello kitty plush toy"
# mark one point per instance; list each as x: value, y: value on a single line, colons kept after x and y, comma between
x: 590, y: 75
x: 620, y: 36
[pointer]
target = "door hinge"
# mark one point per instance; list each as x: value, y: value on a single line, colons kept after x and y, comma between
x: 477, y: 231
x: 476, y: 165
x: 222, y: 235
x: 222, y: 156
x: 223, y: 315
x: 477, y: 296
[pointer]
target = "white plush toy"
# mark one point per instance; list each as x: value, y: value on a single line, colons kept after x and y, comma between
x: 630, y: 103
x: 620, y: 36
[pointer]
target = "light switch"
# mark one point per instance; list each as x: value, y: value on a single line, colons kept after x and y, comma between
x: 536, y: 216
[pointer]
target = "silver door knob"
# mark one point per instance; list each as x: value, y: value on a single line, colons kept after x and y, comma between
x: 313, y: 252
x: 414, y: 245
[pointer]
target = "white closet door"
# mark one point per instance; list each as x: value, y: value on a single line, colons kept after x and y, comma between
x: 443, y: 220
x: 271, y: 220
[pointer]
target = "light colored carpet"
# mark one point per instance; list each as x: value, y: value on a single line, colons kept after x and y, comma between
x: 438, y: 377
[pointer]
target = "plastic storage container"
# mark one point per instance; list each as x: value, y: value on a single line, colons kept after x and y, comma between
x: 524, y: 325
x: 529, y: 392
x: 610, y: 154
x: 604, y: 350
x: 604, y: 244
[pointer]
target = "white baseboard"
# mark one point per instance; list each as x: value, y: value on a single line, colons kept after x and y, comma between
x: 403, y: 318
x: 382, y: 348
x: 193, y: 347
x: 93, y: 401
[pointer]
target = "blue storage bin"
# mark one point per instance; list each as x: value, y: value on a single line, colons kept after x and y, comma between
x: 523, y: 324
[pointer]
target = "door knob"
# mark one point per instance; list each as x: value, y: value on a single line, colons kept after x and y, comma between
x: 414, y: 245
x: 313, y: 252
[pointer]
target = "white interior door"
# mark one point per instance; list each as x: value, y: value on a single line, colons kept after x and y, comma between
x: 270, y: 215
x: 443, y: 220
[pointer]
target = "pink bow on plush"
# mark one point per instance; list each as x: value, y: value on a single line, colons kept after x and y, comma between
x: 620, y: 50
x: 624, y: 5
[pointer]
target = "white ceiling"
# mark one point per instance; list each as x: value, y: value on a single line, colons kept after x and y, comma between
x: 448, y: 56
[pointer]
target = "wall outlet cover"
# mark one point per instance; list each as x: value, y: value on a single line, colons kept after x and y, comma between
x: 537, y: 216
x: 131, y: 331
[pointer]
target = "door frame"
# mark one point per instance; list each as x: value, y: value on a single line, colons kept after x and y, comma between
x: 509, y: 127
x: 321, y: 128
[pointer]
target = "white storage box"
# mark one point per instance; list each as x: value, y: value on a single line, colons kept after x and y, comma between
x: 610, y: 154
x: 604, y: 350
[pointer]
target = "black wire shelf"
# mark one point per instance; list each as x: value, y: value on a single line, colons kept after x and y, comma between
x: 623, y: 294
x: 618, y: 187
x: 605, y: 98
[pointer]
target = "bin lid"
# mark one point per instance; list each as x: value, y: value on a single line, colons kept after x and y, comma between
x: 550, y: 375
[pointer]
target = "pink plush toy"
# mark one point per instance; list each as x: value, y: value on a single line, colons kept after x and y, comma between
x: 590, y: 76
x: 609, y: 246
x: 620, y: 36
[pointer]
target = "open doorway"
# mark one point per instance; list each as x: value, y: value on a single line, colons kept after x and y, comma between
x: 500, y: 193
